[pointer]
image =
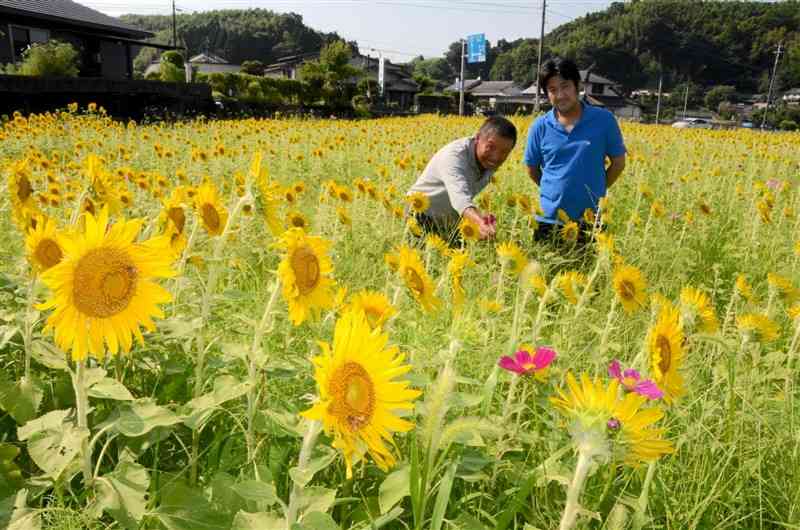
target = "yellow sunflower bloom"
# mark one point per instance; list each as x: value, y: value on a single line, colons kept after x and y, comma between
x: 414, y: 275
x: 296, y: 220
x: 20, y: 188
x: 787, y: 292
x: 375, y: 305
x: 697, y: 313
x: 418, y: 202
x: 359, y: 393
x: 604, y: 424
x: 570, y: 231
x: 459, y: 260
x: 665, y: 342
x: 511, y: 253
x: 42, y: 245
x: 570, y: 284
x: 306, y: 274
x: 744, y: 288
x: 630, y: 288
x: 437, y: 242
x: 757, y: 328
x: 103, y: 288
x: 469, y: 230
x: 212, y: 212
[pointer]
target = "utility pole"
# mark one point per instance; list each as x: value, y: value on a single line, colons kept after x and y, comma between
x: 539, y: 61
x: 174, y: 26
x: 771, y: 84
x: 686, y: 99
x: 658, y: 102
x: 461, y: 82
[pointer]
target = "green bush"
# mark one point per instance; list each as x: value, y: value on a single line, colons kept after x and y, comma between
x: 788, y: 125
x: 50, y: 59
x: 172, y: 67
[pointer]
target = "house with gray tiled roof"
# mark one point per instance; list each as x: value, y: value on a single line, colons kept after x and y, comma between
x: 107, y: 45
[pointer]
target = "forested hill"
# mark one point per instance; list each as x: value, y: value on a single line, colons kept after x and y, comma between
x: 236, y: 35
x: 708, y: 43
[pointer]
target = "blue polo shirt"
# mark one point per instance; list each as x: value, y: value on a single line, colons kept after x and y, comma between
x: 573, y: 164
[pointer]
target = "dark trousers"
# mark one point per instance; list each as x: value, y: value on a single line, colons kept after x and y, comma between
x: 447, y: 230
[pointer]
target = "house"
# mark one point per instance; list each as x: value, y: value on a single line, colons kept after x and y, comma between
x: 603, y: 92
x: 488, y: 94
x: 791, y: 97
x: 399, y: 84
x: 203, y: 63
x: 107, y: 45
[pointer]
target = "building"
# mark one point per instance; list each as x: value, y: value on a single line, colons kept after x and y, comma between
x: 603, y: 92
x: 399, y: 84
x: 203, y: 63
x: 791, y: 97
x: 107, y: 45
x: 491, y: 95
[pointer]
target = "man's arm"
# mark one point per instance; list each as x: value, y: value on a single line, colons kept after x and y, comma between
x: 485, y: 229
x: 535, y: 173
x: 615, y: 169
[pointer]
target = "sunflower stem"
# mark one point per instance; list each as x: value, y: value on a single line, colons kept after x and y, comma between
x: 640, y: 515
x: 499, y: 296
x: 82, y: 406
x: 26, y: 338
x: 608, y: 327
x: 571, y: 508
x: 309, y: 441
x: 252, y: 371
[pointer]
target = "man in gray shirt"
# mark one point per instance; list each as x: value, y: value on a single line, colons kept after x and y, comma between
x: 458, y: 172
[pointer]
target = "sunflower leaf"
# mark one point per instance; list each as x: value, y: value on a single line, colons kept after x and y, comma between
x: 199, y: 410
x: 21, y: 399
x: 258, y: 521
x: 123, y: 494
x: 53, y: 442
x: 108, y: 388
x: 316, y: 521
x: 49, y: 355
x: 301, y: 477
x: 394, y: 488
x: 143, y: 415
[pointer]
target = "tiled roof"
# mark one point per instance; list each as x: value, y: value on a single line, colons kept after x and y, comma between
x: 69, y: 11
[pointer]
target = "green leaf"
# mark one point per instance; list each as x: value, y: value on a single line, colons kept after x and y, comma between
x: 394, y: 488
x: 53, y: 442
x: 24, y: 518
x: 302, y: 477
x: 143, y: 415
x: 49, y: 355
x: 7, y: 333
x: 108, y: 388
x: 262, y: 493
x: 20, y: 399
x: 199, y: 410
x: 316, y: 499
x: 184, y: 508
x: 316, y: 521
x: 443, y: 496
x: 258, y: 521
x: 10, y: 474
x: 122, y: 494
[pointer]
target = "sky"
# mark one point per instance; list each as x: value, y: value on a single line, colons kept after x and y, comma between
x: 400, y: 29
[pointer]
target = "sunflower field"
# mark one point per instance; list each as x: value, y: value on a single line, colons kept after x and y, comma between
x: 231, y: 325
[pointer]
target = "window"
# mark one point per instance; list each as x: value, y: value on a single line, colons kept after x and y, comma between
x: 24, y: 37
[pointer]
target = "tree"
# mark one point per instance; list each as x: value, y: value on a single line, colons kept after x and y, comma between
x: 172, y: 67
x: 332, y: 75
x: 50, y: 59
x: 254, y: 67
x: 719, y: 94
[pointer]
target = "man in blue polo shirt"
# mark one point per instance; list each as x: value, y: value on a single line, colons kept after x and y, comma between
x: 567, y: 149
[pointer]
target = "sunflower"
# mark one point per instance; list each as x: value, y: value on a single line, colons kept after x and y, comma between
x: 569, y: 283
x: 177, y: 239
x: 787, y: 292
x: 570, y: 231
x: 665, y: 342
x: 697, y: 313
x: 416, y: 278
x: 629, y: 285
x: 757, y: 328
x: 296, y: 220
x: 433, y: 240
x: 418, y: 202
x: 19, y: 185
x: 375, y: 305
x: 173, y: 210
x: 343, y: 216
x: 563, y: 216
x: 413, y: 226
x: 604, y: 424
x: 469, y: 230
x: 103, y: 288
x: 459, y: 260
x: 305, y: 273
x: 511, y: 253
x: 605, y: 244
x: 359, y: 392
x: 212, y: 212
x: 42, y: 245
x: 344, y: 194
x: 744, y: 288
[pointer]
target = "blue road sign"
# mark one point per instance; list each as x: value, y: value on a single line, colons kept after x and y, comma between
x: 476, y: 48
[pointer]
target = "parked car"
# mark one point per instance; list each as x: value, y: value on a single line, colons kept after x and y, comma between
x: 692, y: 123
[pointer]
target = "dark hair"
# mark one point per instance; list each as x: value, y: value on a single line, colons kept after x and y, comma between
x: 500, y: 126
x: 563, y: 68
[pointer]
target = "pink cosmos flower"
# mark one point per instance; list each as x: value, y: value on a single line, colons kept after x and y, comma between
x: 774, y: 184
x: 632, y: 381
x: 523, y: 363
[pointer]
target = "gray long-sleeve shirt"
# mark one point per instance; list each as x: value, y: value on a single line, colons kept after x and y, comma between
x: 452, y: 179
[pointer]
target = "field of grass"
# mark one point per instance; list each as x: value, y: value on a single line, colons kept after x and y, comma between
x: 694, y: 283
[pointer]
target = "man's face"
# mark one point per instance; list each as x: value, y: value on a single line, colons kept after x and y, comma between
x: 562, y: 93
x: 492, y: 150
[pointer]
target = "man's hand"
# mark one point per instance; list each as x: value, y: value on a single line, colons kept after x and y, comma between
x: 535, y: 173
x: 486, y: 223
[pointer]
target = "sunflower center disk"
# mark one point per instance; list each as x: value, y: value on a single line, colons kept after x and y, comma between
x: 179, y: 218
x: 353, y: 396
x: 105, y: 282
x: 306, y: 270
x: 48, y: 253
x: 627, y: 290
x: 24, y: 189
x: 210, y: 216
x: 665, y: 352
